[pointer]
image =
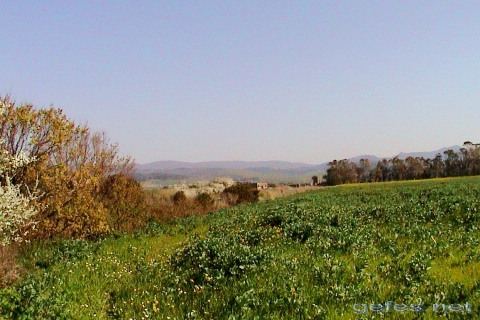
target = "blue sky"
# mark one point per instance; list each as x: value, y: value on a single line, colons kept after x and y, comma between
x: 307, y: 81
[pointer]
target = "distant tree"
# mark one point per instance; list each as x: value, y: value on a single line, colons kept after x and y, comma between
x: 333, y: 176
x: 315, y: 180
x: 398, y: 168
x: 471, y: 158
x: 437, y: 166
x: 463, y: 161
x: 340, y: 172
x: 414, y: 168
x: 386, y: 168
x: 452, y: 166
x: 364, y: 170
x: 348, y: 171
x: 376, y: 174
x: 427, y: 167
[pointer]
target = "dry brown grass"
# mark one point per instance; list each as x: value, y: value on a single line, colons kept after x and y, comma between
x: 161, y: 207
x: 283, y: 191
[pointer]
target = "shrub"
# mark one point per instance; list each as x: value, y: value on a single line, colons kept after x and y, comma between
x: 179, y: 198
x: 125, y: 203
x: 71, y: 162
x: 243, y: 192
x: 205, y: 200
x: 15, y: 206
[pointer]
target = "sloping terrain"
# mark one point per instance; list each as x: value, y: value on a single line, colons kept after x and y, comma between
x: 336, y: 253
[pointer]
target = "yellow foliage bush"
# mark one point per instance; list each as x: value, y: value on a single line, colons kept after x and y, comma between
x: 125, y: 202
x: 71, y: 163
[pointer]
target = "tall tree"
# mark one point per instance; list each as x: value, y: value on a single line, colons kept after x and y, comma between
x: 333, y: 175
x: 364, y: 170
x: 415, y: 168
x: 452, y: 167
x: 437, y: 166
x: 471, y: 158
x: 376, y: 174
x: 340, y: 172
x: 398, y: 168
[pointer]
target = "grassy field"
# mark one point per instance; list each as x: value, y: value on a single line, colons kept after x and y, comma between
x: 334, y: 253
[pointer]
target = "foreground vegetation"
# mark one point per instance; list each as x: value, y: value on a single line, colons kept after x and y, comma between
x: 309, y: 256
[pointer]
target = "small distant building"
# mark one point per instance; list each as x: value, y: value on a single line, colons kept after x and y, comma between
x: 262, y: 185
x: 259, y: 185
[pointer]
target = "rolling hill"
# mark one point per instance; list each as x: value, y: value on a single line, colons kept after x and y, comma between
x: 271, y: 171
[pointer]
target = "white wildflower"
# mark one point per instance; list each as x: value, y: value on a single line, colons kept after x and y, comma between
x: 15, y: 208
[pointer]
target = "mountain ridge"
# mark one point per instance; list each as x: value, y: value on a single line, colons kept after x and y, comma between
x: 234, y: 164
x: 275, y: 165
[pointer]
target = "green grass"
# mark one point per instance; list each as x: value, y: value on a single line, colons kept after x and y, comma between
x: 309, y: 256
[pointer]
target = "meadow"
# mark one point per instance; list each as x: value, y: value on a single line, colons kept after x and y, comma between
x: 335, y: 253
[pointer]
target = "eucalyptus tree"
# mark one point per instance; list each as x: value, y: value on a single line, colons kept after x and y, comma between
x: 364, y: 169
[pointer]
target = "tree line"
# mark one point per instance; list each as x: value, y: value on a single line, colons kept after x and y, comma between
x: 450, y: 164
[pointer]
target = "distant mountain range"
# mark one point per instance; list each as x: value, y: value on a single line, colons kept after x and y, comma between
x: 430, y: 155
x: 238, y: 165
x: 272, y: 164
x: 277, y: 171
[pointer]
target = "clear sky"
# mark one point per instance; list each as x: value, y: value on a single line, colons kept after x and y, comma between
x: 307, y: 81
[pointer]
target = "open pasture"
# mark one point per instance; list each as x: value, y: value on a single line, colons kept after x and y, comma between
x: 334, y: 253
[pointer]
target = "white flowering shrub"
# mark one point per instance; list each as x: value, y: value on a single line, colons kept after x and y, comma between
x: 15, y: 207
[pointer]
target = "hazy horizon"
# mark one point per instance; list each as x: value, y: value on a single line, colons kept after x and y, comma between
x: 313, y: 164
x: 306, y: 82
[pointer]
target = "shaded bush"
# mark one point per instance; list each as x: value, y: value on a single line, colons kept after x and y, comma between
x: 179, y: 198
x: 205, y: 200
x: 244, y: 193
x: 125, y: 202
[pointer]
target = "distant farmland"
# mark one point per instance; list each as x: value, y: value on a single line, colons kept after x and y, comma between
x: 188, y: 176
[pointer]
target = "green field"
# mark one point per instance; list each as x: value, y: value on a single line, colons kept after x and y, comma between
x: 308, y: 256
